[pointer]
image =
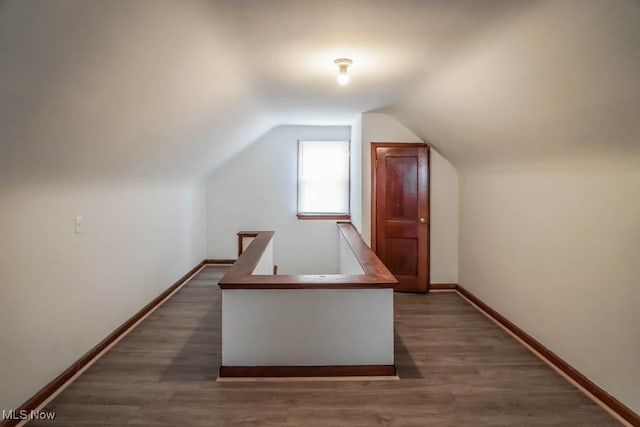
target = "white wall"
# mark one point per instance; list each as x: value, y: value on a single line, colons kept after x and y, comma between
x: 555, y: 247
x: 257, y: 190
x: 356, y: 173
x: 197, y: 235
x: 349, y: 263
x: 539, y: 116
x: 265, y: 264
x: 444, y: 220
x: 378, y: 127
x: 307, y: 327
x: 63, y: 293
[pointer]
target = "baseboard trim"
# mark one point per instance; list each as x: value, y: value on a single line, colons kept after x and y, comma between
x: 219, y: 261
x: 52, y: 388
x: 303, y: 379
x: 605, y: 398
x: 307, y: 371
x: 443, y: 286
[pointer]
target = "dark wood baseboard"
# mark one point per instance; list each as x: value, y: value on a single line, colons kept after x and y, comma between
x: 65, y: 376
x: 219, y: 261
x: 611, y: 402
x: 307, y: 371
x: 443, y: 286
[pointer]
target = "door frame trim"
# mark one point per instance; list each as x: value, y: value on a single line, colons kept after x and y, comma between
x: 374, y: 166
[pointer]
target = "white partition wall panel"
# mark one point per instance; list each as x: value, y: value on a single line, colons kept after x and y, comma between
x: 348, y: 262
x: 307, y: 327
x: 265, y: 265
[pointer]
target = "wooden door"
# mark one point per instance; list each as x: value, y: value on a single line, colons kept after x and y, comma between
x: 400, y: 212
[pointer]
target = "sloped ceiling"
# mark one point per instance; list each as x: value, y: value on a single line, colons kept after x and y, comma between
x: 166, y: 90
x: 560, y: 81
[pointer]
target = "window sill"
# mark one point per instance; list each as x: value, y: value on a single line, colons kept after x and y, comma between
x: 324, y: 216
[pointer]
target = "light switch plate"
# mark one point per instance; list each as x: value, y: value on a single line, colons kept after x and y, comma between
x: 79, y: 225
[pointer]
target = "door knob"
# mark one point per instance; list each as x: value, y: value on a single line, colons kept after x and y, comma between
x: 422, y: 220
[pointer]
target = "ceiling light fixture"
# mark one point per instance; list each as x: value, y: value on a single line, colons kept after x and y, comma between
x: 343, y: 64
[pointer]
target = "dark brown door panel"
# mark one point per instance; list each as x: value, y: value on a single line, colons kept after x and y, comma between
x: 400, y: 212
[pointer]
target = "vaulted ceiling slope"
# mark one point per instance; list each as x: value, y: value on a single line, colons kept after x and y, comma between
x: 166, y: 90
x: 560, y: 80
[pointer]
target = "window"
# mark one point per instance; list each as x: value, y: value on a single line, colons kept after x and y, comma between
x: 323, y: 179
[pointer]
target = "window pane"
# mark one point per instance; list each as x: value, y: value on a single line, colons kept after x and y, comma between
x: 323, y: 177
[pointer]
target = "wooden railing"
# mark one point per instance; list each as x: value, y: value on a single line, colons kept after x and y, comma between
x: 376, y: 275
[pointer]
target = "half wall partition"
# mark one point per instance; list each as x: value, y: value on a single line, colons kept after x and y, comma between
x: 308, y: 325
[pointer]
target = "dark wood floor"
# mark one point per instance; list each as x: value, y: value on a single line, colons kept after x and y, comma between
x: 456, y: 368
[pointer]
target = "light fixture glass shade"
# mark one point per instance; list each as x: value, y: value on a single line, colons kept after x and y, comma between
x: 343, y: 77
x: 343, y: 73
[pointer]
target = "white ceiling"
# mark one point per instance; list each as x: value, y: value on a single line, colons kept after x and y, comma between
x: 156, y: 89
x: 559, y: 81
x: 288, y: 48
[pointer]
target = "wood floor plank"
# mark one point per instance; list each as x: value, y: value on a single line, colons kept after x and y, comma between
x: 456, y: 368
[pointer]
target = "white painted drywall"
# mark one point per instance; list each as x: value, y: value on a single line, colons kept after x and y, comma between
x: 265, y: 264
x: 62, y: 293
x: 299, y: 327
x: 379, y: 127
x: 557, y: 79
x: 540, y: 117
x: 257, y: 190
x: 146, y: 90
x: 92, y: 87
x: 197, y: 232
x: 444, y: 220
x: 349, y: 263
x: 555, y: 249
x: 356, y: 173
